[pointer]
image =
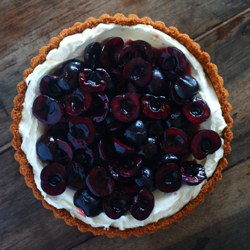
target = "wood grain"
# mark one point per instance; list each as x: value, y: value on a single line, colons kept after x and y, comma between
x: 222, y: 28
x: 28, y: 25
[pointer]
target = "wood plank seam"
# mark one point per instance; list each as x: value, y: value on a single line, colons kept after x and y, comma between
x: 221, y: 25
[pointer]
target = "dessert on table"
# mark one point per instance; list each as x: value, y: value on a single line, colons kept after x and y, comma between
x: 121, y: 125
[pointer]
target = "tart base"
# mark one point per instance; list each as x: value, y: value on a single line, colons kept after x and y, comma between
x: 212, y: 72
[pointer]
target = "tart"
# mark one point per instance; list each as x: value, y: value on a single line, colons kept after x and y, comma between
x: 147, y: 121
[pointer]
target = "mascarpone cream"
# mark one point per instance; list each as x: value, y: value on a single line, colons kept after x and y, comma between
x: 166, y: 204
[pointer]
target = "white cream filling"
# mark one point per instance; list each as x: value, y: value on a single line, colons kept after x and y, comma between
x: 166, y: 204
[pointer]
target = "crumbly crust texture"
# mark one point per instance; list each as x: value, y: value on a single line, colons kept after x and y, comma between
x: 212, y: 72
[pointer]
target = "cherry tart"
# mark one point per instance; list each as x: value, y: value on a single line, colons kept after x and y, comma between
x: 122, y: 121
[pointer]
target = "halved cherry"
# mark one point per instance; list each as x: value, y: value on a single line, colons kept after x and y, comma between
x: 76, y: 178
x: 186, y: 86
x: 131, y: 167
x: 99, y: 183
x: 45, y: 148
x: 90, y: 204
x: 192, y: 173
x: 158, y: 84
x: 94, y: 80
x: 173, y: 61
x: 114, y: 170
x: 116, y: 204
x: 63, y: 152
x: 126, y: 108
x: 92, y: 52
x: 196, y: 111
x: 205, y: 142
x: 168, y: 178
x: 121, y: 148
x: 156, y: 107
x: 142, y: 205
x: 53, y: 179
x: 99, y: 107
x: 77, y: 102
x: 81, y: 132
x: 144, y: 49
x: 85, y: 157
x: 124, y: 54
x: 146, y: 178
x: 49, y: 87
x: 109, y: 46
x: 136, y: 133
x: 47, y: 110
x: 175, y: 141
x: 150, y: 149
x: 138, y: 71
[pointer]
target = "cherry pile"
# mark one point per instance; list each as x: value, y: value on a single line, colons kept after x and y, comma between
x: 121, y: 122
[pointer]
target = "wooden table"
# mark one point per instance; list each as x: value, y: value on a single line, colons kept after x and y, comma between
x: 222, y: 28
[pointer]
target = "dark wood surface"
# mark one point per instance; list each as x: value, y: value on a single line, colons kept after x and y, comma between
x: 222, y: 28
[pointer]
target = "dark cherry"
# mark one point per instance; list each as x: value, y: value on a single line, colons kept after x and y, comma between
x: 59, y: 131
x: 114, y: 170
x: 168, y: 178
x: 68, y: 81
x: 92, y: 52
x: 136, y: 133
x: 95, y: 80
x: 149, y: 149
x: 78, y: 63
x: 45, y: 148
x: 205, y: 142
x: 76, y: 178
x: 175, y: 119
x: 173, y: 61
x: 124, y: 54
x: 106, y: 148
x: 110, y: 124
x: 130, y: 187
x: 175, y: 140
x: 196, y: 111
x: 155, y: 129
x: 49, y: 87
x: 116, y: 204
x: 63, y: 152
x: 109, y: 46
x: 99, y: 107
x: 84, y: 156
x: 192, y: 173
x: 146, y: 178
x: 71, y: 74
x: 186, y: 86
x: 131, y: 167
x: 81, y: 132
x: 90, y: 204
x: 99, y: 183
x: 174, y: 95
x: 156, y: 107
x: 126, y: 108
x: 53, y: 179
x: 144, y: 49
x: 158, y: 84
x: 167, y: 158
x: 121, y: 148
x: 47, y: 110
x: 77, y: 102
x: 117, y: 84
x: 142, y: 205
x: 138, y: 70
